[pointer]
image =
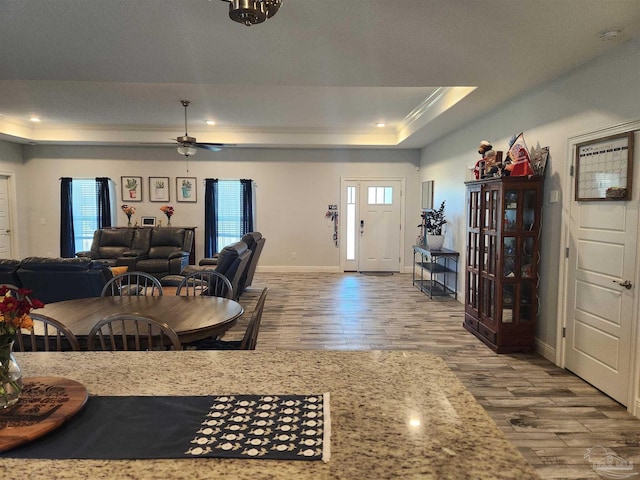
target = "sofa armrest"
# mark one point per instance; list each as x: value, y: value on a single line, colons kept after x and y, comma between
x: 177, y: 262
x: 87, y: 254
x: 129, y: 262
x: 209, y: 261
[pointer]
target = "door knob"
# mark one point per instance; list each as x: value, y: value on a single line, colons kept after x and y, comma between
x: 626, y: 284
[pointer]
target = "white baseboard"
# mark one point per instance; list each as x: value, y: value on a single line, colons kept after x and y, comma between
x: 298, y: 269
x: 546, y: 350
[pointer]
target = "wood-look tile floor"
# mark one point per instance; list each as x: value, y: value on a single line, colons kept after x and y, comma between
x: 548, y: 413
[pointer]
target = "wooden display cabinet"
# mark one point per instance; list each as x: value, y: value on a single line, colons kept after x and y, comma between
x: 503, y: 251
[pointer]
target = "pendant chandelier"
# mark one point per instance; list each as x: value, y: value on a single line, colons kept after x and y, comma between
x: 251, y: 12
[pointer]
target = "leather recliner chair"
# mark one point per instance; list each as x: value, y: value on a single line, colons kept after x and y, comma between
x: 232, y: 262
x: 255, y: 242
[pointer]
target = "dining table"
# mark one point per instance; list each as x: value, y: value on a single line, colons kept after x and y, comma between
x: 388, y: 414
x: 192, y: 318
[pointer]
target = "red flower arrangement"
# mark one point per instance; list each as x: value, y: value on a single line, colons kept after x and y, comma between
x: 168, y: 211
x: 14, y: 312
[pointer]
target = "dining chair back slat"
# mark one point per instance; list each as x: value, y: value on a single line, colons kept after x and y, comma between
x: 133, y: 283
x: 205, y: 282
x: 250, y: 338
x: 134, y: 332
x: 47, y: 335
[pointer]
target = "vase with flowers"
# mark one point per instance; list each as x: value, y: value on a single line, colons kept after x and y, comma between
x: 168, y: 211
x: 128, y: 211
x: 15, y: 306
x: 432, y: 223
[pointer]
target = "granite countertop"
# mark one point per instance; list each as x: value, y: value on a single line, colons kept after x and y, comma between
x: 394, y: 414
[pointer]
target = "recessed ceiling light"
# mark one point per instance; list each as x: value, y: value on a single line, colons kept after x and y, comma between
x: 210, y: 122
x: 609, y: 34
x: 35, y: 119
x: 380, y: 124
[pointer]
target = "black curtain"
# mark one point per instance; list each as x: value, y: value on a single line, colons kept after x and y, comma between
x: 210, y: 216
x: 67, y: 244
x: 103, y: 202
x: 247, y: 206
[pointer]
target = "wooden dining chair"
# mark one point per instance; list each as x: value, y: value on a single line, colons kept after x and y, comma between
x: 134, y: 284
x: 122, y: 331
x: 250, y: 337
x: 205, y: 282
x: 55, y: 336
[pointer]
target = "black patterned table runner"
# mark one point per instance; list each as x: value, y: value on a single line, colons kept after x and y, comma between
x: 284, y: 427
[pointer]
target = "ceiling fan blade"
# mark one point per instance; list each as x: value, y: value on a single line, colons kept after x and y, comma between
x: 214, y: 147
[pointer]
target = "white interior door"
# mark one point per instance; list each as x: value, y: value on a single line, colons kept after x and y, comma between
x: 5, y: 219
x: 600, y: 311
x: 379, y: 225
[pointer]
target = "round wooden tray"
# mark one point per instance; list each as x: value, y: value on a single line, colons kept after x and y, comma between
x: 45, y: 404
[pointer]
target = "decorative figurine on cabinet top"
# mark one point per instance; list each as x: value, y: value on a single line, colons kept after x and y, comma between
x: 519, y: 154
x: 490, y: 165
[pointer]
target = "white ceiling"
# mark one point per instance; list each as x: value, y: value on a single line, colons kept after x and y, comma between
x: 320, y: 73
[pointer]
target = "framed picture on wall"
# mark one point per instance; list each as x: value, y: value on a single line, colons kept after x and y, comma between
x: 131, y: 189
x: 186, y: 189
x: 159, y: 189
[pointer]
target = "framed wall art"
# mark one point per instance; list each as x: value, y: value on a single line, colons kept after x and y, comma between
x: 186, y: 189
x: 159, y: 189
x: 131, y: 189
x: 604, y: 168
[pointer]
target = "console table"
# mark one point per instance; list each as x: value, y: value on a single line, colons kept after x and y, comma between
x: 435, y: 272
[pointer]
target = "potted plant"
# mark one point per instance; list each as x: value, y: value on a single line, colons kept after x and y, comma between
x: 186, y: 188
x: 433, y: 222
x: 132, y: 186
x: 158, y: 188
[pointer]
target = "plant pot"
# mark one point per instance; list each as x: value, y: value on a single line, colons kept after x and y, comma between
x: 10, y: 376
x: 435, y: 242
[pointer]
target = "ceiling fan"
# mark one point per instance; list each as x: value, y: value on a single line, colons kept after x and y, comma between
x: 187, y: 145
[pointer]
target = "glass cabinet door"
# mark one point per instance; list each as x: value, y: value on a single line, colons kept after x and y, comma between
x: 508, y: 299
x: 509, y: 257
x: 510, y: 220
x: 526, y: 302
x: 527, y: 267
x: 529, y: 220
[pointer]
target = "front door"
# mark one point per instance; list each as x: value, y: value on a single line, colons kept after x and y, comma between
x: 372, y: 227
x: 600, y: 310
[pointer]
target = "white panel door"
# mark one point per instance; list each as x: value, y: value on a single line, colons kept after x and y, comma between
x: 5, y: 219
x: 602, y: 255
x: 379, y: 224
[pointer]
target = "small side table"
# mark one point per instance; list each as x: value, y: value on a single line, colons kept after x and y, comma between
x: 435, y: 272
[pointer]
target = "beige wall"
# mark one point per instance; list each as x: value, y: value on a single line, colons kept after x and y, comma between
x: 294, y: 188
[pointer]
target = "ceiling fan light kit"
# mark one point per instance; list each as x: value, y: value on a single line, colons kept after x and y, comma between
x: 252, y: 12
x: 186, y: 150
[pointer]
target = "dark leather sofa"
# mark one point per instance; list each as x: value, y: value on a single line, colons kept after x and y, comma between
x: 9, y: 272
x: 59, y: 279
x: 159, y: 251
